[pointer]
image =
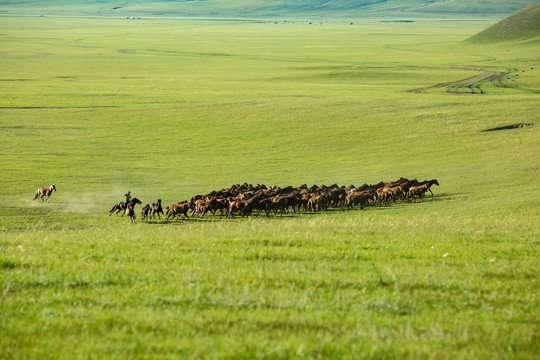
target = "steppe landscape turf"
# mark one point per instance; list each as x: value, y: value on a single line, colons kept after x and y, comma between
x: 171, y: 107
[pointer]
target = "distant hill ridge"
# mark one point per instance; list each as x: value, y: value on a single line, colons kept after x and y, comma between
x: 523, y: 25
x: 270, y: 8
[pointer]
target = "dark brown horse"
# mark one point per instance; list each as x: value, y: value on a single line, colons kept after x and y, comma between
x: 130, y: 208
x: 121, y: 206
x: 44, y: 192
x: 117, y: 208
x: 145, y: 212
x: 156, y: 209
x: 429, y: 184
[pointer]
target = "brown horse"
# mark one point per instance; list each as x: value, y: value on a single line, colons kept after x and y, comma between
x: 156, y: 209
x: 121, y: 206
x: 176, y: 209
x: 429, y: 184
x: 44, y: 192
x: 117, y: 208
x: 417, y: 192
x: 145, y: 212
x: 358, y: 198
x: 130, y: 208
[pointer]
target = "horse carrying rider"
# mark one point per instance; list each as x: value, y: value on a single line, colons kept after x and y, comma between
x: 128, y: 198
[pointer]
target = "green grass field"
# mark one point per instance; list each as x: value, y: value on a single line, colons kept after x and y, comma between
x: 169, y: 108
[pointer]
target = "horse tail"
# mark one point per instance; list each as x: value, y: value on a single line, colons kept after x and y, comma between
x: 36, y: 196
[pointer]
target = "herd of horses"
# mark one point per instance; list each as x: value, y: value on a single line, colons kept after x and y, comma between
x: 245, y: 199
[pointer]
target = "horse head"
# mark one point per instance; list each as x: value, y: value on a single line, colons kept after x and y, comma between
x: 53, y: 187
x: 135, y: 201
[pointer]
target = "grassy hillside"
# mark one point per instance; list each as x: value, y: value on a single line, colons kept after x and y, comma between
x: 523, y: 25
x: 273, y: 8
x: 169, y: 108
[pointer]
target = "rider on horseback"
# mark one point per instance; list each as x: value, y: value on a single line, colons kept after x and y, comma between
x: 128, y: 198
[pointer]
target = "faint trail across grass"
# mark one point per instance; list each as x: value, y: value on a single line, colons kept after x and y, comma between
x: 470, y: 85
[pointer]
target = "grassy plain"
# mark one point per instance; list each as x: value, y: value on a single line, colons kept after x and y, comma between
x: 171, y: 108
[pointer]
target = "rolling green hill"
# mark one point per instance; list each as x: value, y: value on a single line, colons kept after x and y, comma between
x: 271, y: 8
x: 523, y: 25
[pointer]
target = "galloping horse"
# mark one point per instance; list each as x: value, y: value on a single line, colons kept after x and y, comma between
x: 145, y: 212
x: 121, y: 206
x: 130, y: 208
x: 156, y: 209
x: 429, y: 184
x: 44, y: 192
x: 417, y: 192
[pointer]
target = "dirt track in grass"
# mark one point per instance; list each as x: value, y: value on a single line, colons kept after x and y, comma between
x: 470, y: 85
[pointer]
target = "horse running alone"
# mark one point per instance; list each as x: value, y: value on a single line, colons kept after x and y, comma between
x: 44, y: 192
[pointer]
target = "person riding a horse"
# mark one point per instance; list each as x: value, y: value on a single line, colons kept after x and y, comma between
x: 128, y: 198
